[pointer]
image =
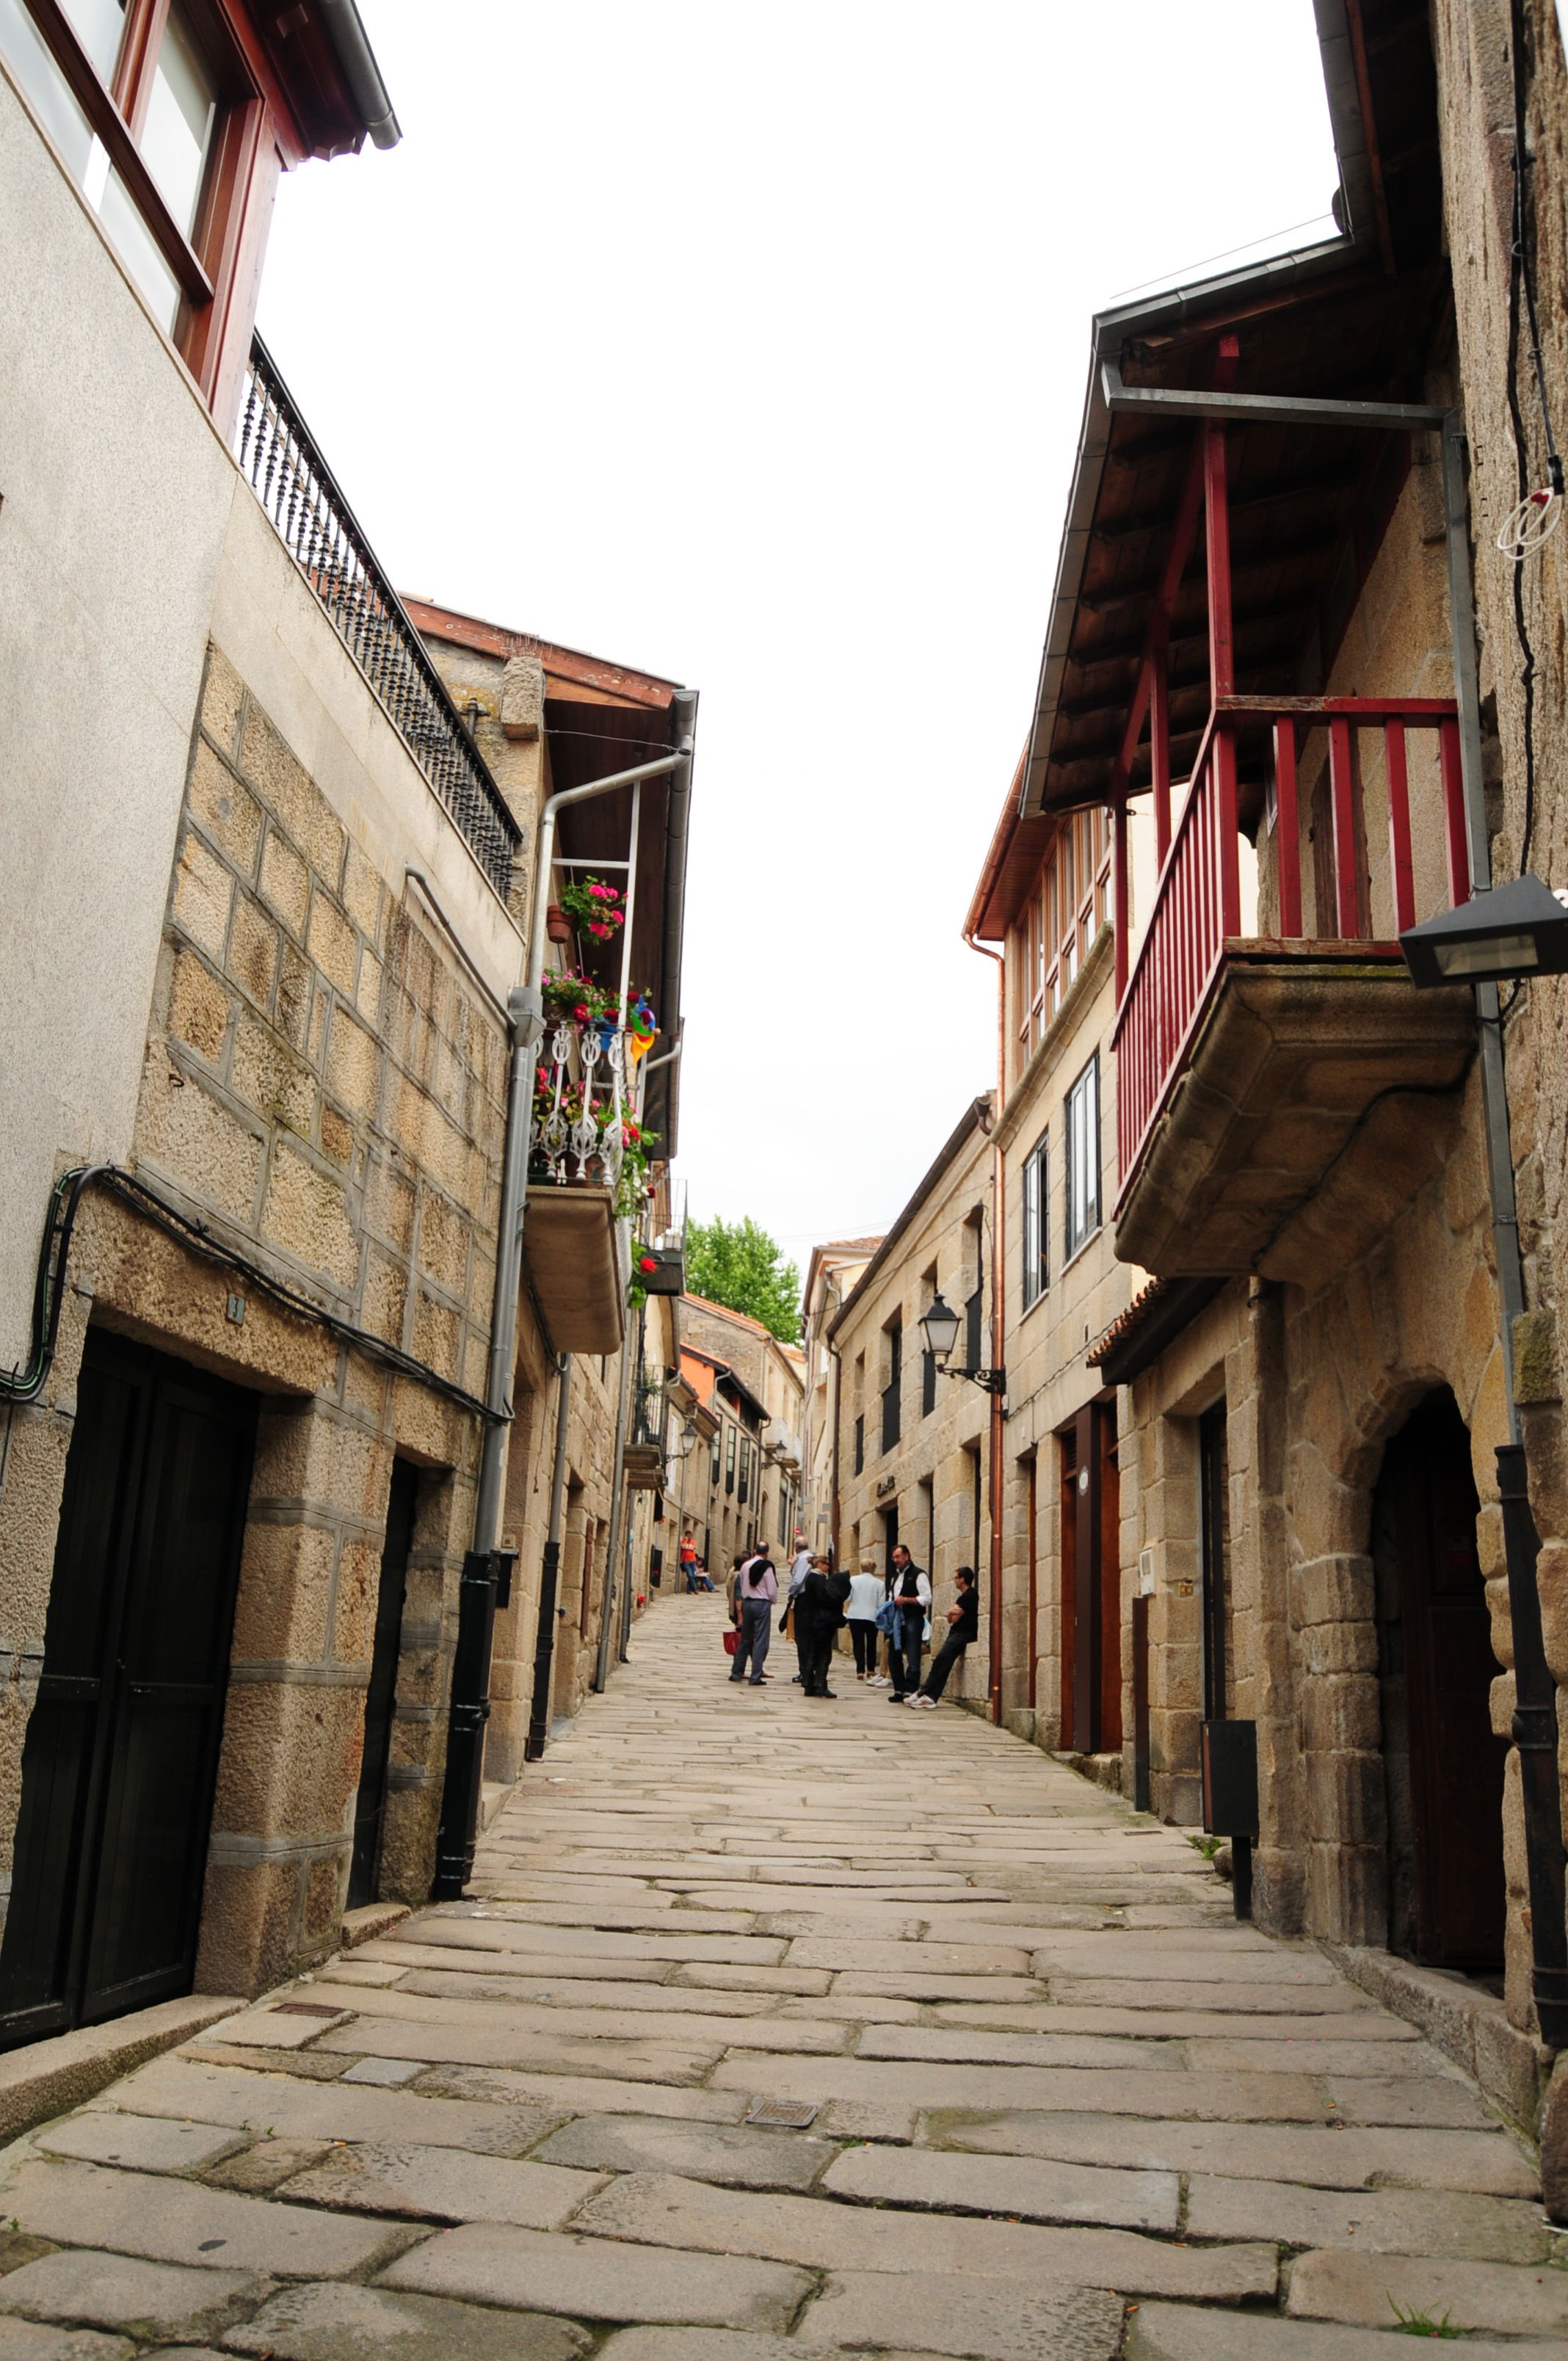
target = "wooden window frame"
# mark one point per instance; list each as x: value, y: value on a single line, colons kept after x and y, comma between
x: 217, y: 268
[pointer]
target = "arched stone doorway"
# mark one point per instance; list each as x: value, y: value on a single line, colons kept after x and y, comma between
x: 1442, y: 1765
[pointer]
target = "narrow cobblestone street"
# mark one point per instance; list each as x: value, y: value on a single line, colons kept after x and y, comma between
x: 1064, y: 2106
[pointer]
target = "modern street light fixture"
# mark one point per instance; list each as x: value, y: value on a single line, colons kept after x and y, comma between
x: 939, y: 1326
x: 1509, y: 934
x: 1509, y: 931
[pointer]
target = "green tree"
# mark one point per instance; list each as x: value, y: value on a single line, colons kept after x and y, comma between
x: 737, y: 1264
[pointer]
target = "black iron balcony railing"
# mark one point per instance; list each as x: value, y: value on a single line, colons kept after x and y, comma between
x: 296, y: 488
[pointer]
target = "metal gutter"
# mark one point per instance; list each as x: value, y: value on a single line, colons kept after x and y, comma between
x: 346, y: 33
x: 664, y: 1115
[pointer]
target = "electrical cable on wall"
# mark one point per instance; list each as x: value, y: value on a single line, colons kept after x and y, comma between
x: 26, y: 1383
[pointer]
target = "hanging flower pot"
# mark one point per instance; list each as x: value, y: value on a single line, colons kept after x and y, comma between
x: 557, y: 925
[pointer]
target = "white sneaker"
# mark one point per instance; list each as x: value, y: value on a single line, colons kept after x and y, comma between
x: 879, y: 1681
x: 928, y: 1705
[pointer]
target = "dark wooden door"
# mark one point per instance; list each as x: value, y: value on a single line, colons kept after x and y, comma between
x: 1455, y: 1761
x: 121, y: 1751
x: 381, y: 1698
x: 1091, y: 1580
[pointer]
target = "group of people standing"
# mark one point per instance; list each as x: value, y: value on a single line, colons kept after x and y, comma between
x: 818, y: 1600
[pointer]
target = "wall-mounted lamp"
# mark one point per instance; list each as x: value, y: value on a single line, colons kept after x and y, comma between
x: 939, y: 1326
x: 1517, y: 929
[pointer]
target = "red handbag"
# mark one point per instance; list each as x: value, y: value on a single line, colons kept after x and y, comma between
x: 732, y: 1639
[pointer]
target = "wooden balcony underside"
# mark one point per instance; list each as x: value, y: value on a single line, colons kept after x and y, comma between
x: 1297, y: 1063
x: 572, y: 1261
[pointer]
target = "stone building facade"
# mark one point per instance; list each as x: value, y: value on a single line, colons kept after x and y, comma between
x: 274, y: 903
x: 830, y: 1275
x: 1310, y: 1377
x: 912, y: 1443
x: 1062, y: 1286
x: 740, y: 1488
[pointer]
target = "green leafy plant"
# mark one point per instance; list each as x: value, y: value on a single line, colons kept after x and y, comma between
x: 595, y: 906
x: 578, y: 997
x: 1421, y: 2323
x: 739, y: 1264
x: 1207, y: 1846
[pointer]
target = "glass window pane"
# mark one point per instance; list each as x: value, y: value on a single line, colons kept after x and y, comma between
x: 100, y: 25
x: 140, y: 256
x: 179, y: 118
x: 22, y: 46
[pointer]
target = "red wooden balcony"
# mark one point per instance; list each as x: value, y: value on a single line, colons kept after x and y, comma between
x: 1246, y: 1063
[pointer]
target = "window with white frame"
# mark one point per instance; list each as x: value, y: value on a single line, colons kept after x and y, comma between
x: 1082, y: 1132
x: 1035, y: 1265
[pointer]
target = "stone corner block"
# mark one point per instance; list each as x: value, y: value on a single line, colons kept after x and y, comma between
x: 47, y: 2077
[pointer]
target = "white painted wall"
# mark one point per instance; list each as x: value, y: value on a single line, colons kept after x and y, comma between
x: 127, y: 537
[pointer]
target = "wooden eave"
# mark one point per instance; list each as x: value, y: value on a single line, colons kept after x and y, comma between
x: 1355, y: 318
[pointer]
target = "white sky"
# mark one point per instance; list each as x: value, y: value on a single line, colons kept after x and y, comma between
x: 749, y: 346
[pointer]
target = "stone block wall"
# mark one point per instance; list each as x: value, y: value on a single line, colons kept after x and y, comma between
x: 323, y: 1086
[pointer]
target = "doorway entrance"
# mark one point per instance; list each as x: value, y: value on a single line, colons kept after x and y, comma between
x: 380, y: 1698
x: 1090, y: 1584
x: 1442, y: 1764
x: 121, y: 1748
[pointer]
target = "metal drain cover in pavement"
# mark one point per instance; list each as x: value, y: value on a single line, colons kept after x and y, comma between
x: 784, y: 2114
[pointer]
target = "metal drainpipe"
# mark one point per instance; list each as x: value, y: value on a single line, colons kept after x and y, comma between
x: 483, y: 1569
x: 469, y: 1706
x: 617, y: 1515
x: 998, y: 1334
x: 625, y: 1616
x: 549, y: 1580
x: 1535, y: 1731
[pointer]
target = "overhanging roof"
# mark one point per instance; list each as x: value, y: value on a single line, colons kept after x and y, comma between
x: 1350, y: 317
x: 599, y: 717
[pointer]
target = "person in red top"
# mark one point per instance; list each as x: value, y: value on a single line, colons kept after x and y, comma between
x: 688, y: 1561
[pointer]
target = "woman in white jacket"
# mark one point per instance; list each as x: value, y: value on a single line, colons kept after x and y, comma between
x: 867, y: 1591
x: 910, y: 1593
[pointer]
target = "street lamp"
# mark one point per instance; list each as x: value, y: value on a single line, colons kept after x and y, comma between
x: 1507, y: 931
x: 939, y: 1326
x: 1509, y: 934
x: 685, y: 1441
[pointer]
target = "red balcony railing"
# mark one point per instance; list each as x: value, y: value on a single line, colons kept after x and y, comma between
x: 1351, y: 894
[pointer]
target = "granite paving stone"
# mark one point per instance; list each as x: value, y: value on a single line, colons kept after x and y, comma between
x: 444, y: 2184
x: 1052, y: 2102
x: 592, y: 2278
x: 23, y: 2340
x: 1382, y: 2222
x: 367, y: 2324
x: 91, y: 2206
x: 147, y: 2301
x: 663, y: 2209
x: 993, y: 2319
x: 142, y: 2143
x: 1169, y: 2332
x: 1324, y: 2156
x: 734, y: 2154
x: 274, y: 2104
x: 1364, y: 2289
x: 1037, y: 2192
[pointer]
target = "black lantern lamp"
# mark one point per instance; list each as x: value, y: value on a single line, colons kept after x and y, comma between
x: 1518, y: 929
x: 939, y: 1326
